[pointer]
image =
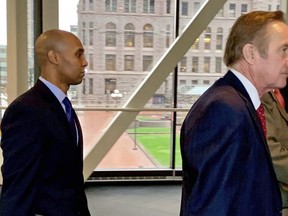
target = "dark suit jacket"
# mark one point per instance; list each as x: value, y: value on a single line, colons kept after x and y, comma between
x: 277, y: 136
x: 42, y: 169
x: 227, y: 169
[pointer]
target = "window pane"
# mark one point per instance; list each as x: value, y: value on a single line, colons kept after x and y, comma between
x: 125, y: 41
x: 3, y: 54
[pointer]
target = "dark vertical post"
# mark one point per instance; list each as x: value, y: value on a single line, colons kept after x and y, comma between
x: 175, y: 85
x: 37, y: 30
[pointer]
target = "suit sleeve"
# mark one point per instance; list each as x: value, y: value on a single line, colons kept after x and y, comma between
x: 21, y: 145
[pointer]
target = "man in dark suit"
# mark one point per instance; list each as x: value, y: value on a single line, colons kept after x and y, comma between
x: 227, y: 168
x: 43, y: 160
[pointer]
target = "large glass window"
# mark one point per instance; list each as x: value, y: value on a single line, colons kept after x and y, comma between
x: 125, y: 41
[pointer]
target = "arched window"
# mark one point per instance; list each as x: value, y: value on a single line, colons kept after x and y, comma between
x: 110, y: 34
x: 148, y: 36
x: 129, y: 35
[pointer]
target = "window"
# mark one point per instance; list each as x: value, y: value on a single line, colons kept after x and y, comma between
x: 147, y: 62
x: 168, y: 35
x: 91, y: 61
x: 194, y: 82
x: 206, y: 82
x: 84, y: 5
x: 196, y: 7
x: 195, y: 64
x: 90, y: 85
x: 182, y: 82
x: 232, y: 10
x: 244, y: 8
x: 111, y: 5
x: 83, y: 33
x: 219, y: 39
x: 91, y: 6
x: 207, y: 38
x: 196, y: 44
x: 183, y: 64
x: 91, y: 33
x: 206, y: 65
x: 129, y: 35
x: 184, y: 9
x: 130, y: 6
x: 129, y: 63
x: 220, y: 13
x: 218, y: 64
x: 83, y: 86
x: 148, y: 6
x: 111, y: 35
x: 168, y: 7
x: 148, y: 36
x: 110, y: 85
x: 111, y: 62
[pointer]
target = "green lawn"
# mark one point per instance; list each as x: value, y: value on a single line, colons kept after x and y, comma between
x: 156, y: 142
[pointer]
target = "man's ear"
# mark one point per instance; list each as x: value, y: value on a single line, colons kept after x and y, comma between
x: 249, y: 53
x: 52, y: 57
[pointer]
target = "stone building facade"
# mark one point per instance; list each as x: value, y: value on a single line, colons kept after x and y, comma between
x: 125, y: 38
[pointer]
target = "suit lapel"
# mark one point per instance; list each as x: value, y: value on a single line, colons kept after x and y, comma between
x: 57, y: 109
x: 235, y: 83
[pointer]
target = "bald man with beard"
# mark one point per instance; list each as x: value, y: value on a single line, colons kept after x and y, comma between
x: 43, y: 157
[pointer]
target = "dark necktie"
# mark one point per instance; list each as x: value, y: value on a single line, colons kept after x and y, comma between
x: 70, y: 116
x: 279, y: 97
x: 261, y: 115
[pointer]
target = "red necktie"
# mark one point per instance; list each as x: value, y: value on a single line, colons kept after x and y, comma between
x: 261, y: 115
x: 279, y: 97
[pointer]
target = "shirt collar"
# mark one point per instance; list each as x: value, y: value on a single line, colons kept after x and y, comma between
x: 59, y: 94
x: 250, y: 88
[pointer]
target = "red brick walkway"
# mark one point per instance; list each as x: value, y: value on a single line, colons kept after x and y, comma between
x: 122, y: 154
